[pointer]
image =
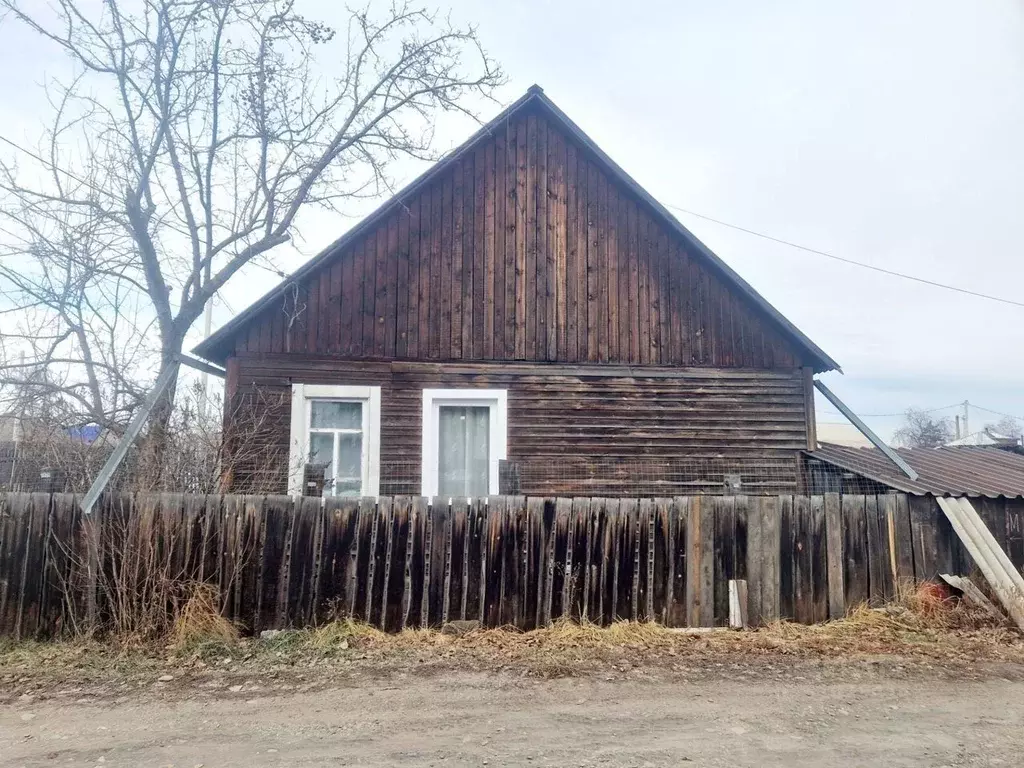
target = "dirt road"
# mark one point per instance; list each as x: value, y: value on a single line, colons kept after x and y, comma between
x: 497, y: 720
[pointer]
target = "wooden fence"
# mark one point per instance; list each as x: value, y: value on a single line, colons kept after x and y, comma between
x: 401, y: 562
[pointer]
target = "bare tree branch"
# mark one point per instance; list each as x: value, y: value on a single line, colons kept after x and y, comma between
x: 184, y: 146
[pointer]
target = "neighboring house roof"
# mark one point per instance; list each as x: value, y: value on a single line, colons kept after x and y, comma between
x: 987, y: 437
x: 217, y: 346
x: 945, y: 471
x: 86, y: 434
x: 841, y: 433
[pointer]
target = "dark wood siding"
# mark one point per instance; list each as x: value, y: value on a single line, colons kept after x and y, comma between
x: 562, y: 419
x: 524, y: 249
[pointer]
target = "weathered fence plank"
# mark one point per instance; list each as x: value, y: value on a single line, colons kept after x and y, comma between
x: 677, y: 562
x: 855, y: 566
x: 724, y: 556
x: 412, y: 599
x: 877, y: 553
x: 494, y: 589
x: 270, y: 558
x: 788, y: 535
x: 661, y: 560
x: 627, y: 576
x: 834, y: 556
x: 530, y: 562
x: 904, y: 539
x: 404, y: 562
x: 700, y: 604
x: 819, y: 564
x: 749, y: 508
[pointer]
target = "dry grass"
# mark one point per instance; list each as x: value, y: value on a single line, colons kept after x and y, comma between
x: 199, y: 620
x: 920, y: 621
x: 923, y: 620
x: 916, y: 625
x: 921, y: 627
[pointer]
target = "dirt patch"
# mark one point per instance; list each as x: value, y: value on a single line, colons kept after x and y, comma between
x: 903, y: 689
x: 473, y: 719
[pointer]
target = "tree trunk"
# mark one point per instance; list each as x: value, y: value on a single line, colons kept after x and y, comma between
x: 154, y: 447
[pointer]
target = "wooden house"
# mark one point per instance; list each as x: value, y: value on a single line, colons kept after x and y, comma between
x: 524, y: 318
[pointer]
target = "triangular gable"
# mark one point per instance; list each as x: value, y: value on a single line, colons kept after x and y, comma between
x: 607, y: 239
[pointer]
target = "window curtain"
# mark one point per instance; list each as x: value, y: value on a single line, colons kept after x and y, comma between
x: 463, y: 453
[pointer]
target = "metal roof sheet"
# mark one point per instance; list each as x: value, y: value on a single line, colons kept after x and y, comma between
x: 965, y: 470
x: 217, y: 347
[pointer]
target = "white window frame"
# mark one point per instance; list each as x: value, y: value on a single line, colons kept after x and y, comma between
x: 433, y: 399
x: 302, y: 396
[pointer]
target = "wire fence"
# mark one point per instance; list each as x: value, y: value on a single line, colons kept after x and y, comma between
x: 25, y: 468
x: 652, y: 477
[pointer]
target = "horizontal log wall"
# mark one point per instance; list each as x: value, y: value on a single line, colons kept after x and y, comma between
x: 566, y: 417
x: 525, y: 249
x: 399, y: 562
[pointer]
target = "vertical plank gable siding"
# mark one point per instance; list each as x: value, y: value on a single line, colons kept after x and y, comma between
x: 523, y: 250
x: 557, y: 413
x: 402, y: 562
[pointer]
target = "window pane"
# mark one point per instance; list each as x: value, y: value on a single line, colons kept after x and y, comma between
x: 328, y: 414
x: 464, y: 442
x: 350, y: 457
x: 348, y: 488
x: 321, y: 453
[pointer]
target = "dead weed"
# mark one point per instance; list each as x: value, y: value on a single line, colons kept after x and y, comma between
x: 199, y: 620
x: 919, y: 626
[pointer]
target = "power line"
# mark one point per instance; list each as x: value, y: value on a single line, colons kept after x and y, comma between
x: 997, y: 413
x: 844, y: 260
x: 47, y: 163
x: 902, y: 413
x: 931, y: 410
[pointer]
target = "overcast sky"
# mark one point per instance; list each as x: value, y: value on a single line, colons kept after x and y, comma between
x: 886, y: 132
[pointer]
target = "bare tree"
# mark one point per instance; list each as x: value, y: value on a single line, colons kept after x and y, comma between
x: 183, y: 147
x: 1007, y: 426
x: 920, y: 430
x: 73, y: 342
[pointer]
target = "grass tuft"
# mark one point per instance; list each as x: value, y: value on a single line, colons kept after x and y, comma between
x: 344, y: 633
x: 199, y: 625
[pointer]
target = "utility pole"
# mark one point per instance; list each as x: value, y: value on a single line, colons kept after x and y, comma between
x: 967, y: 429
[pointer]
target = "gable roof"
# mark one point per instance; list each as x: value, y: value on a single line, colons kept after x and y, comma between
x: 217, y: 346
x: 954, y: 471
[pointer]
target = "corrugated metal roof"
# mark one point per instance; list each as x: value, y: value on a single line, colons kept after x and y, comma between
x: 948, y: 471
